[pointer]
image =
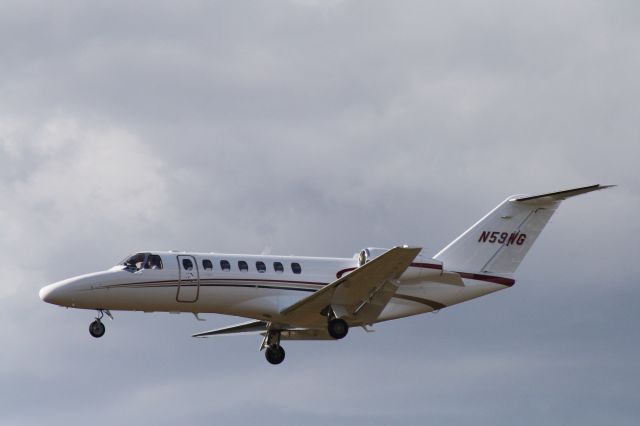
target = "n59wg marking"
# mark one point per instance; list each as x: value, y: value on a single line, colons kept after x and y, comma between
x: 493, y: 237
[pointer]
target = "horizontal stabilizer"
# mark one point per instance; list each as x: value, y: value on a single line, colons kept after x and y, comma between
x: 244, y: 328
x: 562, y: 195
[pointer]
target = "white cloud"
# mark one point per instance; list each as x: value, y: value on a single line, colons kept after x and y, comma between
x: 70, y: 183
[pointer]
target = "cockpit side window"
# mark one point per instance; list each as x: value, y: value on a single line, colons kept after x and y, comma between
x: 153, y: 262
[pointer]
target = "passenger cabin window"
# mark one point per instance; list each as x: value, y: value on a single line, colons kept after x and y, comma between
x: 207, y: 265
x: 225, y: 265
x: 153, y: 262
x: 187, y: 264
x: 261, y: 267
x: 243, y: 266
x: 277, y: 266
x: 295, y: 267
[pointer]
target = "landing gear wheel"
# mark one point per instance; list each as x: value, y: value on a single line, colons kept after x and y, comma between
x: 274, y: 354
x: 97, y: 329
x: 338, y: 328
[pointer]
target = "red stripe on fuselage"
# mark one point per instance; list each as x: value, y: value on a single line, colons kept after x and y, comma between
x: 340, y: 273
x: 478, y: 277
x: 161, y: 282
x: 488, y: 278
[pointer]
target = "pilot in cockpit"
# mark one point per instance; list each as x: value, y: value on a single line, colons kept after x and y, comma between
x: 154, y: 262
x: 141, y: 261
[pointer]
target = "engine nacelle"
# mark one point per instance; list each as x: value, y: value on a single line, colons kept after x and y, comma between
x: 369, y: 253
x: 422, y: 267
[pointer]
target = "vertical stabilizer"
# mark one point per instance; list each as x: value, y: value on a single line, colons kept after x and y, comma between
x: 498, y: 242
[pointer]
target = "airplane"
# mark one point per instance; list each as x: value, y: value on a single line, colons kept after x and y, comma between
x: 315, y: 298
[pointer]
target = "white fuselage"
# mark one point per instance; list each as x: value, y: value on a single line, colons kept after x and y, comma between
x: 219, y: 283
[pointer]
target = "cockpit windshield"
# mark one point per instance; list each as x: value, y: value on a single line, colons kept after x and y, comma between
x: 142, y: 261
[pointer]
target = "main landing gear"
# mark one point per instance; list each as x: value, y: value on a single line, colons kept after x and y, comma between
x: 97, y: 328
x: 338, y: 328
x: 274, y: 353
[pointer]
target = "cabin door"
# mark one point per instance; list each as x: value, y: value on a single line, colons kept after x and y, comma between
x: 188, y: 279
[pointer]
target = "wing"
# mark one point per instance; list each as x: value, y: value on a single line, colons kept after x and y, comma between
x: 246, y: 327
x: 358, y: 297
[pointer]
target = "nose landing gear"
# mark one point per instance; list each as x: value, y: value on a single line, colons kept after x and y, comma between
x: 97, y: 328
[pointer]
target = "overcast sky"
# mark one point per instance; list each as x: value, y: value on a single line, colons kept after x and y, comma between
x: 319, y: 128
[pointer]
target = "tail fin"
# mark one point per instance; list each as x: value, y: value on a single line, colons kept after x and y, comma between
x: 499, y: 241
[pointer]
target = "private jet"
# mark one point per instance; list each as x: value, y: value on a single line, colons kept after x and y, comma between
x: 317, y: 298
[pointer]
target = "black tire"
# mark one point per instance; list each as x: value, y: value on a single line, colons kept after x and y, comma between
x: 97, y: 329
x: 274, y: 354
x: 338, y: 328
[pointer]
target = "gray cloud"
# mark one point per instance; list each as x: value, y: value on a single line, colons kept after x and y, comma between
x: 319, y: 128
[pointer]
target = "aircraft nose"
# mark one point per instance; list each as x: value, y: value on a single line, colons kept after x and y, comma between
x: 45, y: 293
x: 51, y: 294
